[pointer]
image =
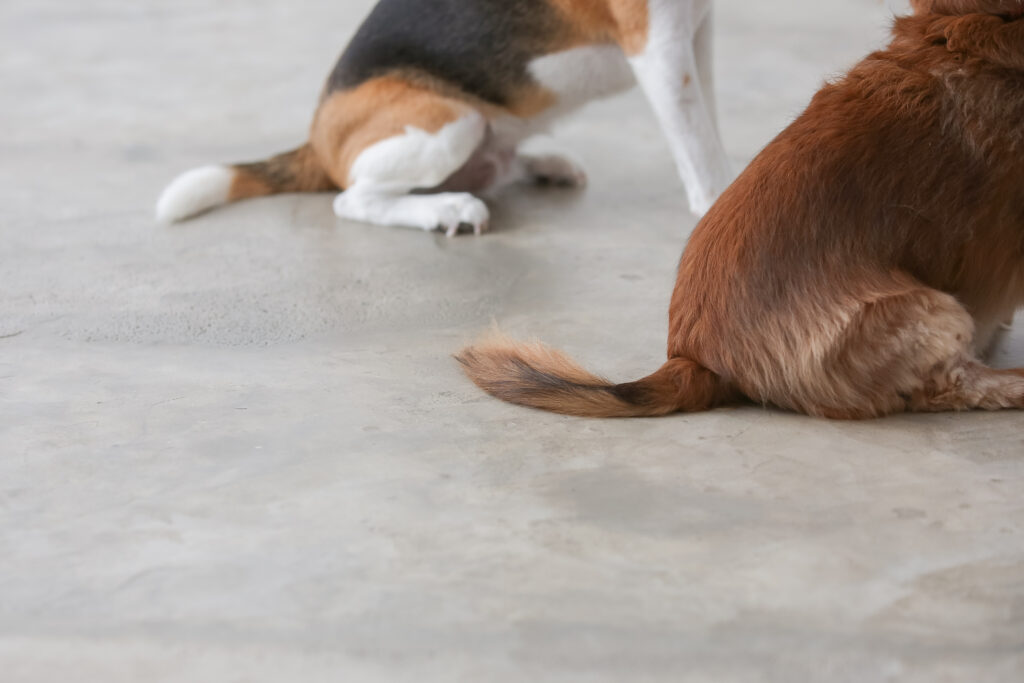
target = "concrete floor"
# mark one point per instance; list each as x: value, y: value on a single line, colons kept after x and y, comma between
x: 238, y: 449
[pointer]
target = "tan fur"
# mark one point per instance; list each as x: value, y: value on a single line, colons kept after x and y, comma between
x: 296, y: 171
x: 862, y: 260
x: 621, y: 21
x: 535, y: 375
x: 350, y: 121
x: 631, y: 24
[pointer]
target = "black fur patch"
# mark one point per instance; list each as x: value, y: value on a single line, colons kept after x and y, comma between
x: 483, y: 47
x: 533, y: 382
x: 633, y: 393
x: 276, y: 172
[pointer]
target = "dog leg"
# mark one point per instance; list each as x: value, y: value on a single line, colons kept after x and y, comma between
x: 384, y: 174
x: 987, y: 37
x: 703, y: 50
x: 911, y: 350
x: 446, y: 211
x: 506, y: 167
x: 968, y: 384
x: 678, y: 87
x: 554, y: 170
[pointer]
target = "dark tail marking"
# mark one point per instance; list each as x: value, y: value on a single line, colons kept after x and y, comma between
x: 538, y: 376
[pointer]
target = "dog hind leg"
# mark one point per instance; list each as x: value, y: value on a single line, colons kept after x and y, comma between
x: 384, y: 174
x: 908, y: 351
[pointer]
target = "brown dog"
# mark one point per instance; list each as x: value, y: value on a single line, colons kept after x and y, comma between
x: 861, y: 263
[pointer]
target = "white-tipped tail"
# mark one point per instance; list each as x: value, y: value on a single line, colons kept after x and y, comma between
x: 194, y: 192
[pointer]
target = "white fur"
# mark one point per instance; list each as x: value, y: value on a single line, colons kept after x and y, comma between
x: 384, y: 174
x: 446, y: 211
x: 576, y: 76
x: 583, y: 74
x: 418, y: 159
x: 674, y: 71
x: 193, y: 192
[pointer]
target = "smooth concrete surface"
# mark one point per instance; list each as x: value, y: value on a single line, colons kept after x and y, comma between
x: 239, y: 450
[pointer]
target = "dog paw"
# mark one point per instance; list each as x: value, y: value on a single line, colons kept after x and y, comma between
x: 460, y: 210
x: 936, y: 31
x: 556, y: 171
x: 965, y: 32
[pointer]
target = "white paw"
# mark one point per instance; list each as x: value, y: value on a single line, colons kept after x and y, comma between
x: 446, y: 211
x: 456, y: 209
x: 555, y: 170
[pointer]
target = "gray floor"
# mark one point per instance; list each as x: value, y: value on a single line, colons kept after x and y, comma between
x: 238, y: 449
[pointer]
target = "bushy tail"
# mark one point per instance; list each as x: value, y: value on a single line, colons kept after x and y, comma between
x: 538, y: 376
x: 205, y: 188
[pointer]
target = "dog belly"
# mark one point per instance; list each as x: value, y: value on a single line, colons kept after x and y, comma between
x: 582, y: 74
x: 490, y: 162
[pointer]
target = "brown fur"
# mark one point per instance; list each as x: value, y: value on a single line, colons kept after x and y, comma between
x: 295, y: 171
x: 350, y: 121
x: 347, y: 122
x: 622, y: 21
x: 864, y: 257
x: 541, y: 377
x: 1010, y: 8
x: 983, y: 35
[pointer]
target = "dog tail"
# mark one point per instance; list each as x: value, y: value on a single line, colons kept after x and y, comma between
x: 205, y: 188
x: 538, y: 376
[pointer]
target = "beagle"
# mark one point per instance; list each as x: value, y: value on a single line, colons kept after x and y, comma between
x: 428, y: 104
x: 863, y: 262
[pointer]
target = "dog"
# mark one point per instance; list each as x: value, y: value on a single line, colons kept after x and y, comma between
x: 428, y: 104
x: 861, y: 264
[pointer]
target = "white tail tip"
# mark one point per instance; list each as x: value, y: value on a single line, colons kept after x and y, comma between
x: 194, y: 192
